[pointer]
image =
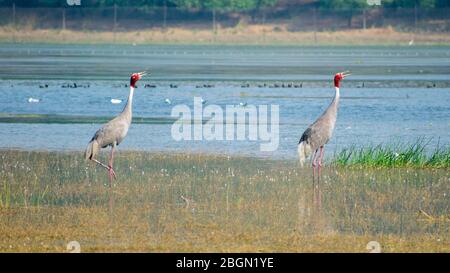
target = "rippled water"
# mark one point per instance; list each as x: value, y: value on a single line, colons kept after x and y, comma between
x: 396, y: 94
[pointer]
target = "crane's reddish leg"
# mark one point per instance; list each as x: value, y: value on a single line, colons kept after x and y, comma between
x: 112, y: 173
x: 100, y: 163
x: 322, y: 152
x: 314, y: 164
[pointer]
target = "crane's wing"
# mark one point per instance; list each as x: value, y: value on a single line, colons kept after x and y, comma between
x: 112, y: 132
x: 316, y: 135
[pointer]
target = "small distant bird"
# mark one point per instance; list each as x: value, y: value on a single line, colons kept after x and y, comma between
x: 411, y: 42
x: 319, y: 133
x: 173, y: 85
x: 243, y: 104
x: 115, y: 101
x: 203, y: 101
x: 33, y: 100
x: 113, y: 132
x: 167, y: 101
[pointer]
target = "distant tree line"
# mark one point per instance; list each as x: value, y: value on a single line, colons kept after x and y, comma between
x: 233, y: 5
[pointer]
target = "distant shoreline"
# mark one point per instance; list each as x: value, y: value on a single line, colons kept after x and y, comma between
x: 251, y: 35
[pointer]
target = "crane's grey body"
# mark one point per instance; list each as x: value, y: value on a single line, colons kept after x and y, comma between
x: 320, y: 132
x: 113, y: 132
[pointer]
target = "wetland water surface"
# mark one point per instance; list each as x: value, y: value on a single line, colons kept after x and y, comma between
x: 396, y: 94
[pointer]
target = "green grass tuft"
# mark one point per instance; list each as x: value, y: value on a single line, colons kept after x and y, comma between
x: 400, y: 155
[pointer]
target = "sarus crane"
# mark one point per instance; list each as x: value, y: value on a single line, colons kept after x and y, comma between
x: 319, y: 133
x: 113, y: 132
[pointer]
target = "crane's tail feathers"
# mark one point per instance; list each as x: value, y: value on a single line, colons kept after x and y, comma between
x: 92, y: 149
x: 303, y: 152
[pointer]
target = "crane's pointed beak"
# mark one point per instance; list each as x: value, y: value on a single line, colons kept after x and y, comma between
x: 345, y: 74
x: 143, y: 73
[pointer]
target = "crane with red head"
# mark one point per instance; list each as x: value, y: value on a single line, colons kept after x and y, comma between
x: 113, y: 132
x: 320, y: 132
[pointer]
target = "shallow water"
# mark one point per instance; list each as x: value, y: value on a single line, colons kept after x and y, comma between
x: 396, y: 94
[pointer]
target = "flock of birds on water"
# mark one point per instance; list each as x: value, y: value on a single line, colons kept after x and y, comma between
x: 173, y: 85
x: 203, y: 85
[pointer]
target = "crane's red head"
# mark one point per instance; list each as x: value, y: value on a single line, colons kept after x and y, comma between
x: 339, y: 76
x: 135, y: 77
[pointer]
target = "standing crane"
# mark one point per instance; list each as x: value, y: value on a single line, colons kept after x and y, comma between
x: 319, y: 133
x: 113, y: 132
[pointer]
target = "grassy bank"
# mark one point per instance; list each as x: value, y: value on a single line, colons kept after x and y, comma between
x: 208, y: 203
x: 248, y: 35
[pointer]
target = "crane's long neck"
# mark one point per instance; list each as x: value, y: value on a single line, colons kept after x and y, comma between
x: 332, y: 109
x: 127, y: 111
x: 336, y: 95
x: 335, y: 102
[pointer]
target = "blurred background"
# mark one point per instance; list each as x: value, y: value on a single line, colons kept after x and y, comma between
x: 253, y: 18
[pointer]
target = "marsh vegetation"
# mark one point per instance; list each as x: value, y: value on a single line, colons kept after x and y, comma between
x: 195, y: 202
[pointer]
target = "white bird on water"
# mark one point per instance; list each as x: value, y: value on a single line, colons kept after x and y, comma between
x: 319, y: 133
x: 116, y: 101
x: 113, y: 132
x: 33, y: 100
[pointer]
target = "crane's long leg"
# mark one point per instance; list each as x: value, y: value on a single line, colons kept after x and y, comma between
x: 314, y: 164
x: 112, y: 173
x: 322, y: 152
x: 315, y: 185
x: 110, y: 169
x: 319, y: 166
x: 100, y: 163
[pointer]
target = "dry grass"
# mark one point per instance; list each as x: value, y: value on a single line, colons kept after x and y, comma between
x: 193, y: 203
x: 248, y: 35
